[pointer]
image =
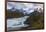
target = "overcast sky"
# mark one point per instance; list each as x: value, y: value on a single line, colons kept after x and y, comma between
x: 22, y: 5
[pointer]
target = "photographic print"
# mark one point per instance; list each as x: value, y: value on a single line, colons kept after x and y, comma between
x: 24, y: 16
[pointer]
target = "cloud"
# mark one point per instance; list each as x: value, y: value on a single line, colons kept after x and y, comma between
x: 25, y: 8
